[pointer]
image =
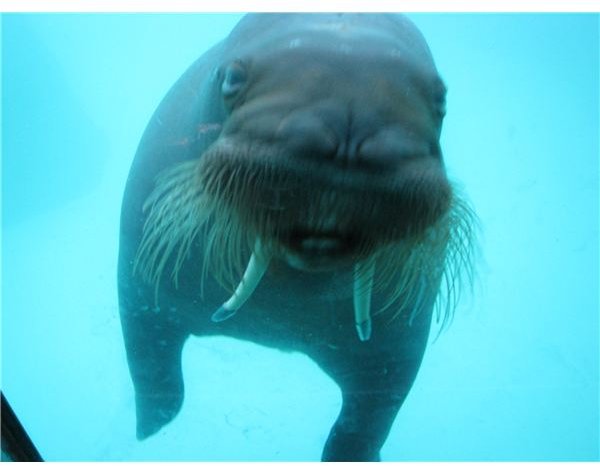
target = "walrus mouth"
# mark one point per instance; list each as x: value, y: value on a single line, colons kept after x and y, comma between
x: 321, y: 243
x: 319, y: 249
x: 402, y: 240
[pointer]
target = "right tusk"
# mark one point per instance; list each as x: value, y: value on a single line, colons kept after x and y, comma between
x: 257, y: 266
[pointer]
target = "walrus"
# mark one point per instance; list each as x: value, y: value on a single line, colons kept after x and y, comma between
x: 290, y: 191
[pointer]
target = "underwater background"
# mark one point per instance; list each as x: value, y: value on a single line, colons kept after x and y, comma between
x: 514, y: 378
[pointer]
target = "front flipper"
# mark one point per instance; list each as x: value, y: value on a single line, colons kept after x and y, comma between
x: 154, y: 343
x: 375, y: 379
x: 362, y: 426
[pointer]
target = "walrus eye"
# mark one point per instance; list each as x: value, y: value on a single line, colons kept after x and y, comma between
x: 441, y: 109
x: 234, y: 80
x: 439, y: 98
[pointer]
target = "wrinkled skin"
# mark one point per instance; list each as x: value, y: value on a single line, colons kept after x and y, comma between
x: 358, y: 98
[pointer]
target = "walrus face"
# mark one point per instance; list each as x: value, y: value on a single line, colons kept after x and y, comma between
x: 330, y: 152
x: 329, y: 156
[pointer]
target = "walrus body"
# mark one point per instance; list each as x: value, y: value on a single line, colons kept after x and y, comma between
x: 307, y: 144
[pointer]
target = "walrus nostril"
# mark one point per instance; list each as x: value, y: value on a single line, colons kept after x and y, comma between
x: 305, y: 136
x: 391, y: 147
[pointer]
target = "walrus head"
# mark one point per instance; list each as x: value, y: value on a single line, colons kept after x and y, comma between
x: 329, y: 156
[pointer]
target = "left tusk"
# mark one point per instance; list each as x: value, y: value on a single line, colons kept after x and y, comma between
x: 257, y: 266
x: 363, y: 288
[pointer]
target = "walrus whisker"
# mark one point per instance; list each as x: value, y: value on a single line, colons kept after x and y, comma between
x: 176, y: 209
x: 363, y: 287
x: 257, y: 267
x: 226, y: 203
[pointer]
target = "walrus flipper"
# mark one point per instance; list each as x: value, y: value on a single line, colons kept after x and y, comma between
x: 371, y: 399
x: 154, y: 348
x: 374, y: 382
x: 362, y: 425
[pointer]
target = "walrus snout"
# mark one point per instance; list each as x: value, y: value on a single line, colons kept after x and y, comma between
x: 313, y: 205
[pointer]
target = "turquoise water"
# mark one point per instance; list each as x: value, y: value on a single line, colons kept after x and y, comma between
x: 514, y: 378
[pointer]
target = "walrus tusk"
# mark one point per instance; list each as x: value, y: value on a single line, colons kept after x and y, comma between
x: 363, y: 287
x: 257, y: 267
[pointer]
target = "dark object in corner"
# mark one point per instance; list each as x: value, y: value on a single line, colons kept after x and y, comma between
x: 16, y: 444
